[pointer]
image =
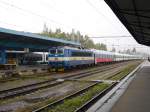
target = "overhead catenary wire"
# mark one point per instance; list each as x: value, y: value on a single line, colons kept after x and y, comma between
x: 97, y: 10
x: 12, y: 25
x: 121, y: 36
x: 46, y: 18
x: 51, y: 6
x: 17, y: 26
x: 35, y: 14
x: 47, y: 4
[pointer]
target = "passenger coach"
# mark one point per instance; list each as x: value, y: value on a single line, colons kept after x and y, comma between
x: 103, y: 56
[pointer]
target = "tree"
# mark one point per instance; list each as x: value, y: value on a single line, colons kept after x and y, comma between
x: 78, y: 36
x: 134, y: 50
x: 101, y: 46
x: 113, y: 49
x: 45, y: 29
x: 73, y: 36
x: 128, y: 51
x: 87, y: 42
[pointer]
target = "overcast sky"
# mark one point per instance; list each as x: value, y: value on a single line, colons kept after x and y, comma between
x: 91, y: 17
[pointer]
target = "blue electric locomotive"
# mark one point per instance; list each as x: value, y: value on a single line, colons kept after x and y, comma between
x: 65, y: 58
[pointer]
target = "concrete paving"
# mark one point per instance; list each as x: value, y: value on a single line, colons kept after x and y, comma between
x: 137, y: 97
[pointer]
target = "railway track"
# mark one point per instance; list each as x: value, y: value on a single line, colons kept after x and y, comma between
x: 5, y: 94
x: 88, y: 104
x: 60, y: 101
x: 78, y: 93
x: 85, y: 105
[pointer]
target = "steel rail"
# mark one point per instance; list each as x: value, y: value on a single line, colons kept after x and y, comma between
x: 5, y: 94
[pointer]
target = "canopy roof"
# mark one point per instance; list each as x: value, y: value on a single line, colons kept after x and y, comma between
x: 135, y: 15
x: 16, y: 39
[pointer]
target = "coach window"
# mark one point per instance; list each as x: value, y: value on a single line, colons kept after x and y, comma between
x: 101, y: 56
x: 60, y: 51
x: 39, y: 57
x: 46, y: 56
x: 104, y: 56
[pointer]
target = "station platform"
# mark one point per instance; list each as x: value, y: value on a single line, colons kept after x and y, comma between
x: 136, y: 98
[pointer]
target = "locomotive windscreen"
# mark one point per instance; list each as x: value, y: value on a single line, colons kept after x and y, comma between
x: 52, y: 51
x: 56, y: 51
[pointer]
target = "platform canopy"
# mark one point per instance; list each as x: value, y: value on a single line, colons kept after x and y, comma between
x: 135, y: 15
x: 11, y: 39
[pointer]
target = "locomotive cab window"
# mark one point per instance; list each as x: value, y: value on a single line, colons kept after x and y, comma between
x: 56, y: 51
x: 52, y: 51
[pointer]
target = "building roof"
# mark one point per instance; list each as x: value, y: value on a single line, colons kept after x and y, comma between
x: 17, y: 39
x: 135, y: 16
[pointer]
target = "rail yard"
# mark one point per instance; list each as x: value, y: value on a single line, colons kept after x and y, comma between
x: 78, y: 62
x: 59, y: 88
x: 59, y: 79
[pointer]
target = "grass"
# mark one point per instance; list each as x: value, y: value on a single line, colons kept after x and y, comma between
x: 24, y: 77
x: 71, y: 105
x: 40, y: 102
x: 124, y: 72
